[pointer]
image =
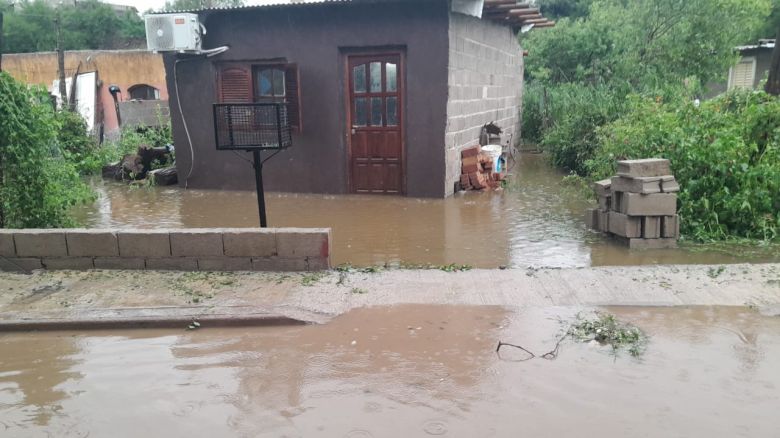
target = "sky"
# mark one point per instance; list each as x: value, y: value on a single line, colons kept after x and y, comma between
x: 144, y: 5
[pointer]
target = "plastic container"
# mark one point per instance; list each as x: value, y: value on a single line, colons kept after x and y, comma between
x: 494, y: 151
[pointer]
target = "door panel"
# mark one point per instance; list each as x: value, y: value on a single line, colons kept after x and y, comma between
x: 375, y: 124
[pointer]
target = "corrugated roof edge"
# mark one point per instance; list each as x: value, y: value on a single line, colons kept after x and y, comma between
x: 273, y: 6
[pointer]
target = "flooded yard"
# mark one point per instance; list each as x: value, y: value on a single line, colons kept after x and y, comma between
x: 408, y: 370
x: 535, y: 222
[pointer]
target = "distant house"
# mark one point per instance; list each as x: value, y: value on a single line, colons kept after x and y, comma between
x: 382, y: 95
x: 750, y: 70
x: 133, y: 75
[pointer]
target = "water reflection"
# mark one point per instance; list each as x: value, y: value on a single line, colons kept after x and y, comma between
x: 537, y: 221
x: 399, y: 371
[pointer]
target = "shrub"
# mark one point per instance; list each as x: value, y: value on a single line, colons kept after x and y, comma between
x: 577, y: 111
x: 37, y: 185
x: 725, y: 154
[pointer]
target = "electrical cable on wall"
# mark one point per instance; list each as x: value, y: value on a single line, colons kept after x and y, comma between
x: 208, y: 53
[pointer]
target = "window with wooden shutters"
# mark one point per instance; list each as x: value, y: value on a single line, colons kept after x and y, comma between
x: 246, y: 83
x: 742, y: 74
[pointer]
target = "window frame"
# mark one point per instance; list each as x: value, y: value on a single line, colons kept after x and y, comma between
x: 743, y: 60
x: 292, y: 86
x: 146, y: 88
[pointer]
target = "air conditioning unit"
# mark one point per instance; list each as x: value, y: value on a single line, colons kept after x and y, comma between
x: 173, y: 32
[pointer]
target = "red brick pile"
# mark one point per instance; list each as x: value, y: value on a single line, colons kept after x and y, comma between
x: 477, y: 170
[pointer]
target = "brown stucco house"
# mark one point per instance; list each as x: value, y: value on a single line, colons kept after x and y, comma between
x: 382, y: 94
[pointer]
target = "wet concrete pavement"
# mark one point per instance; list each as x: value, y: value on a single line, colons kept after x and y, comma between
x: 537, y: 221
x: 70, y: 295
x: 407, y: 370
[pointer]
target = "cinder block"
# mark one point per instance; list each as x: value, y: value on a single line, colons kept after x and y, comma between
x: 172, y: 264
x: 318, y: 263
x: 605, y: 203
x: 604, y: 221
x: 592, y: 218
x: 670, y: 185
x: 225, y: 264
x: 651, y: 227
x: 650, y: 243
x: 144, y: 243
x: 657, y: 204
x: 120, y: 263
x: 68, y: 263
x: 624, y: 225
x: 280, y: 264
x: 644, y: 167
x: 192, y: 243
x: 7, y: 248
x: 20, y: 264
x: 302, y: 242
x: 603, y: 187
x: 670, y: 226
x: 40, y: 243
x: 650, y: 184
x: 249, y: 242
x: 91, y: 243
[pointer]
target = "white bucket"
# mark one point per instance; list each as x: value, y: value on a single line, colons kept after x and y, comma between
x: 494, y: 151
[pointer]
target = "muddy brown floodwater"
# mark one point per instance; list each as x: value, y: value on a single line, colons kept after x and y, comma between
x: 537, y: 221
x: 400, y: 371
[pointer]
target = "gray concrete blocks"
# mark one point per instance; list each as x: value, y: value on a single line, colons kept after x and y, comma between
x: 603, y: 187
x: 92, y: 243
x: 225, y: 264
x: 299, y: 242
x: 282, y: 249
x: 643, y: 185
x: 19, y: 264
x: 644, y: 167
x: 68, y: 263
x: 34, y: 243
x: 651, y: 227
x: 144, y: 243
x: 280, y: 264
x: 172, y: 264
x: 122, y: 263
x: 670, y: 226
x: 640, y: 205
x: 197, y: 242
x: 249, y: 243
x: 624, y: 225
x: 7, y: 247
x: 658, y: 204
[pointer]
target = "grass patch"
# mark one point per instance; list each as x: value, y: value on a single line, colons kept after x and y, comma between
x: 312, y: 278
x: 607, y: 330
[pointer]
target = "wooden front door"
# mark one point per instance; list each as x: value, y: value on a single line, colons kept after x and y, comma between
x: 375, y: 124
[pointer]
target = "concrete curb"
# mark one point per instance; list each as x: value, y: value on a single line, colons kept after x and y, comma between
x: 170, y: 318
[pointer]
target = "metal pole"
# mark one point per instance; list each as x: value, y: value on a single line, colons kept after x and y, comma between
x: 61, y: 62
x: 260, y: 192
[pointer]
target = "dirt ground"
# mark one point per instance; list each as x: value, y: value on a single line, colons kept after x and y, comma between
x: 317, y: 297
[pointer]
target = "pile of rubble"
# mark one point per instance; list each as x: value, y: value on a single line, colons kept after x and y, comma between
x: 478, y: 170
x: 639, y: 205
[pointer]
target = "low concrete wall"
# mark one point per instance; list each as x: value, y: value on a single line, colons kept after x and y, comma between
x: 213, y: 249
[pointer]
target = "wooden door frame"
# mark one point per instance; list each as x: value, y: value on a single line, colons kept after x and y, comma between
x: 347, y: 96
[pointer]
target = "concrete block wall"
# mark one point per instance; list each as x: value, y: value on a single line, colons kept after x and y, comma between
x: 485, y: 83
x: 218, y: 249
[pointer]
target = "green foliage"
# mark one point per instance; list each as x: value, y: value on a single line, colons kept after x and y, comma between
x: 607, y: 330
x: 577, y: 111
x: 30, y: 27
x: 725, y: 154
x: 75, y: 143
x: 37, y: 183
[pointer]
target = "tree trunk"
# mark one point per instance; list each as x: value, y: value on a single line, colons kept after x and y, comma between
x: 773, y: 83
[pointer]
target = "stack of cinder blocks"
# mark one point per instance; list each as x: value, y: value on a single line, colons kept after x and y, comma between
x: 639, y: 205
x: 477, y: 170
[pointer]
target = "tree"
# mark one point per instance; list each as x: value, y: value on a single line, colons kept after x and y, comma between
x: 192, y: 5
x: 89, y: 25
